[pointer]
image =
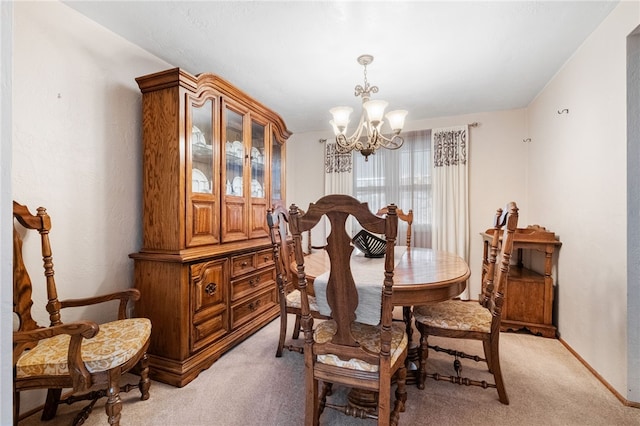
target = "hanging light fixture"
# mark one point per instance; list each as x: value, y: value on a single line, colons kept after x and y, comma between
x: 367, y: 137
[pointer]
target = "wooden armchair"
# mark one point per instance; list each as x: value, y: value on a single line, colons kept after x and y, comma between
x: 82, y: 355
x: 289, y: 297
x: 343, y: 350
x: 469, y: 320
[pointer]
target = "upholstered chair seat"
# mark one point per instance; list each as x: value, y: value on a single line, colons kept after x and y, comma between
x: 116, y: 343
x: 368, y: 336
x: 293, y: 301
x: 455, y: 315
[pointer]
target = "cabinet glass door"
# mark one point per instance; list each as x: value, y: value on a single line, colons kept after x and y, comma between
x: 276, y: 170
x: 234, y: 149
x: 202, y: 149
x: 257, y: 160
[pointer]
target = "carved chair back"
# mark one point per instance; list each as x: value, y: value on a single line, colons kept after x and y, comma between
x: 342, y: 295
x: 505, y: 224
x: 278, y: 221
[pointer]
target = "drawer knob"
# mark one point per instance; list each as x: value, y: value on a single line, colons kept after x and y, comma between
x: 244, y: 263
x: 254, y: 305
x: 254, y: 282
x: 211, y: 288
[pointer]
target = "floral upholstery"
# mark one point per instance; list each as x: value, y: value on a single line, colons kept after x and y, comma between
x: 114, y: 344
x: 454, y: 315
x: 294, y: 301
x: 368, y: 336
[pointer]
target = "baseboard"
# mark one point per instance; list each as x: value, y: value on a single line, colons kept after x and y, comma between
x: 622, y: 399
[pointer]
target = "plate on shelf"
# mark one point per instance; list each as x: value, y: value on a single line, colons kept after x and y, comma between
x: 237, y: 185
x: 256, y: 156
x: 199, y: 182
x: 197, y: 137
x: 237, y: 149
x: 256, y: 189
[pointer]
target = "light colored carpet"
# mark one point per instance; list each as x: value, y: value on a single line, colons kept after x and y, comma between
x: 249, y: 386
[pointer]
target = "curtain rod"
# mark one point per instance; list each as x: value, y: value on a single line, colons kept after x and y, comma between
x: 474, y: 124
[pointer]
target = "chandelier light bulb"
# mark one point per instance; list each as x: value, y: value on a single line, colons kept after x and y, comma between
x: 336, y: 131
x: 341, y: 117
x: 396, y: 119
x: 375, y: 111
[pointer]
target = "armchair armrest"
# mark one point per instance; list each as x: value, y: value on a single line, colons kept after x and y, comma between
x: 124, y: 296
x: 77, y: 330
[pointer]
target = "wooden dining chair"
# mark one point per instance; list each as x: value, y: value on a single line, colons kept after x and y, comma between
x: 472, y: 320
x: 82, y: 356
x: 406, y: 217
x: 343, y: 350
x: 289, y: 297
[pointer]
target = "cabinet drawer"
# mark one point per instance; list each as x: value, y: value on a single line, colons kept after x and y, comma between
x: 249, y: 285
x: 252, y: 307
x: 209, y: 330
x: 242, y: 264
x: 264, y: 258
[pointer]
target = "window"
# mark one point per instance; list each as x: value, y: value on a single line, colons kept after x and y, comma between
x: 402, y: 177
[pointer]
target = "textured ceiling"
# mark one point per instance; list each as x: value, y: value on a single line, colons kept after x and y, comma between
x: 299, y: 57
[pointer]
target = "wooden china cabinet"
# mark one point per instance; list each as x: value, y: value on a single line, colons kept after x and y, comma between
x: 213, y: 163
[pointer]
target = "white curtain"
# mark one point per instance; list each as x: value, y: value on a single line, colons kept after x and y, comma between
x: 450, y: 192
x: 338, y: 170
x: 402, y: 177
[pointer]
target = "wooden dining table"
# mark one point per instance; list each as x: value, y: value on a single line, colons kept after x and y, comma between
x: 421, y: 276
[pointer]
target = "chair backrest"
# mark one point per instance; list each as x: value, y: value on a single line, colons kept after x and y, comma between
x: 278, y: 221
x: 505, y: 224
x: 406, y: 217
x: 342, y: 295
x: 22, y: 287
x: 489, y: 273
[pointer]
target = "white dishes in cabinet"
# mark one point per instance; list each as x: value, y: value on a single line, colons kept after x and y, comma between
x: 256, y: 189
x: 237, y: 185
x: 199, y: 182
x: 234, y: 149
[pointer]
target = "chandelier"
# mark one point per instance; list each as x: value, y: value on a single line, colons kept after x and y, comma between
x: 367, y: 137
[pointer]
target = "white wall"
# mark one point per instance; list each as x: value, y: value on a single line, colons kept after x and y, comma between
x: 77, y: 148
x: 577, y: 186
x: 6, y: 270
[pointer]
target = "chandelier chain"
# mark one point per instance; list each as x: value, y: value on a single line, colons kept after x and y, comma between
x: 365, y: 92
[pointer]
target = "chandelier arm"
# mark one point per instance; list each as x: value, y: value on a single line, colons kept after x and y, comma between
x: 353, y: 141
x: 394, y: 142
